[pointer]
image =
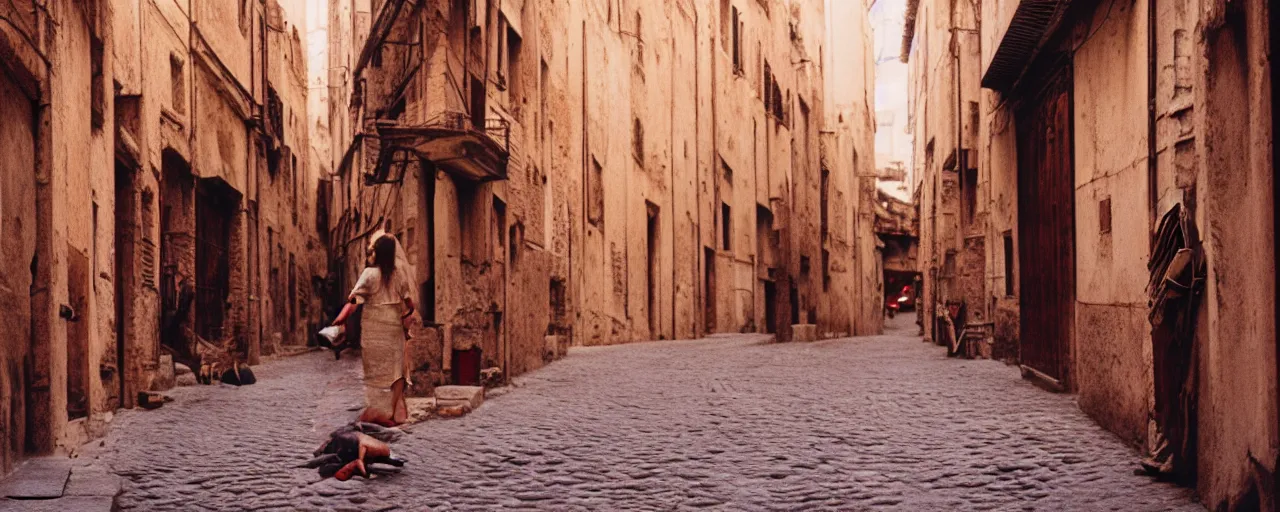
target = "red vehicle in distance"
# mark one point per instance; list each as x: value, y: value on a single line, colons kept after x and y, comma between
x: 905, y: 300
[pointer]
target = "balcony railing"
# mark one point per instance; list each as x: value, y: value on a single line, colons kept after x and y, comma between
x: 451, y: 140
x: 496, y: 129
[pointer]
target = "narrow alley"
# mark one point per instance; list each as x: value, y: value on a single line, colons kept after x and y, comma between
x: 612, y: 254
x: 730, y: 422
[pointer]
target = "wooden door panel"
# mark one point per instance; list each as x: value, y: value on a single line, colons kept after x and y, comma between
x: 1045, y: 226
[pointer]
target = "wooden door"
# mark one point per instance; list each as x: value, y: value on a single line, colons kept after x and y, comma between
x: 1045, y: 226
x: 24, y: 367
x: 124, y: 282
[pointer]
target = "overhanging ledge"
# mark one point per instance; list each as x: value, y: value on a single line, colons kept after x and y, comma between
x: 1032, y: 24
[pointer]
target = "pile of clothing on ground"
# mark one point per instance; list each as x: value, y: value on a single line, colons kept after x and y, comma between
x: 357, y: 449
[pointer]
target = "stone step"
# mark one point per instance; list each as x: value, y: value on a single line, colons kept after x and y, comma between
x: 455, y: 401
x: 52, y: 484
x: 40, y: 479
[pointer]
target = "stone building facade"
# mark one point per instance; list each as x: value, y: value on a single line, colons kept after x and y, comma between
x: 941, y: 50
x: 146, y: 186
x: 598, y: 172
x: 1094, y: 121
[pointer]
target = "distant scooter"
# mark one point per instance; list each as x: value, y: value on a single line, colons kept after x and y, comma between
x: 891, y: 308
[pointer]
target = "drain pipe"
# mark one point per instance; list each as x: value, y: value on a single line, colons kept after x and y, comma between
x: 1152, y: 168
x: 586, y: 170
x: 671, y: 181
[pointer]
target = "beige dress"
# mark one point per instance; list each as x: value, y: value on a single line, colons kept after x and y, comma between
x: 382, y: 337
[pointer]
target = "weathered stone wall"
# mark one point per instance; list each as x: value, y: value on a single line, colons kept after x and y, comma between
x: 944, y: 72
x: 81, y: 176
x: 56, y: 203
x: 117, y: 168
x: 287, y: 206
x: 1234, y: 187
x: 1212, y: 125
x: 633, y: 133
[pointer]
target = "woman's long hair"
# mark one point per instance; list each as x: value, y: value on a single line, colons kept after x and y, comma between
x: 384, y: 257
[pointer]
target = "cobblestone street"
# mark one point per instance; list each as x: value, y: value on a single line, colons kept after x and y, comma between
x: 728, y: 422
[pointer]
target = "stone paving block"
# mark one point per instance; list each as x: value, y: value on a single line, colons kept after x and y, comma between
x: 65, y: 504
x: 92, y: 482
x: 40, y: 478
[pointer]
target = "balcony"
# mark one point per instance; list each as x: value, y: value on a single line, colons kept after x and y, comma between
x: 1031, y: 26
x: 451, y: 141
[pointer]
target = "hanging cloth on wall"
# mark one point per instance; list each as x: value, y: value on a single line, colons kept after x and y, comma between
x: 1177, y: 274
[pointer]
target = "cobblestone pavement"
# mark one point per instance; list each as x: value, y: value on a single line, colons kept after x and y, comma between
x: 727, y: 423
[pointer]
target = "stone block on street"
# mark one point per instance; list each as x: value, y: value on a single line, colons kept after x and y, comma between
x: 185, y: 379
x: 470, y: 396
x: 804, y: 332
x: 164, y: 374
x: 152, y: 400
x: 420, y: 409
x: 554, y: 347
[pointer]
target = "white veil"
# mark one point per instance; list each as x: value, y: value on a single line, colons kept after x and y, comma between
x: 403, y: 267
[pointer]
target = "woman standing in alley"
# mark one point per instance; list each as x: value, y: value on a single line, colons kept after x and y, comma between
x: 384, y: 288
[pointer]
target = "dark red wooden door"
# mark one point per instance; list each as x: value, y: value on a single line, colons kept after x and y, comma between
x: 1046, y: 229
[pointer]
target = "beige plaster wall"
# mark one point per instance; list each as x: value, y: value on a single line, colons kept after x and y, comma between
x: 1112, y: 362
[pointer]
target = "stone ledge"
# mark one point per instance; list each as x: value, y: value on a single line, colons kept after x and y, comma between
x: 804, y: 332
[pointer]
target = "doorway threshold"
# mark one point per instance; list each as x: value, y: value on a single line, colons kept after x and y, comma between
x: 1042, y: 380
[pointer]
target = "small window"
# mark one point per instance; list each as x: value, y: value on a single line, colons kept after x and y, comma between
x: 726, y: 226
x: 824, y: 204
x: 826, y: 270
x: 969, y: 191
x: 97, y: 87
x: 737, y: 41
x: 1008, y: 263
x: 637, y: 140
x: 639, y: 43
x: 508, y: 46
x: 1104, y: 216
x: 478, y: 104
x: 595, y: 195
x: 514, y: 239
x: 178, y: 84
x: 514, y: 77
x: 499, y: 229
